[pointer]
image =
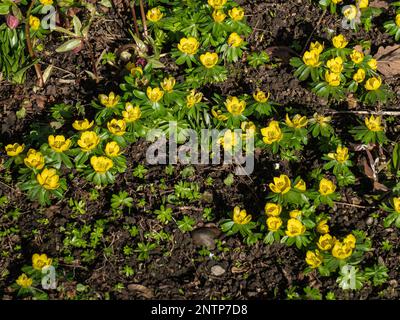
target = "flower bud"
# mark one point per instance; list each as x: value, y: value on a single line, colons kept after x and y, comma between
x: 12, y: 21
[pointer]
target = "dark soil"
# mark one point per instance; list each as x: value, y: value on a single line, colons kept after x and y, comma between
x: 175, y: 269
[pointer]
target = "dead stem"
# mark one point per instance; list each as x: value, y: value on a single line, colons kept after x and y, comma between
x: 142, y: 13
x: 312, y: 33
x: 384, y: 113
x: 352, y: 205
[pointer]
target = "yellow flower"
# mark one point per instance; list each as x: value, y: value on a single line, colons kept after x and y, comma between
x: 131, y: 113
x: 193, y: 98
x: 300, y: 185
x: 297, y: 121
x: 374, y: 123
x: 168, y: 84
x: 235, y: 106
x: 295, y: 228
x: 397, y: 20
x: 336, y: 1
x: 235, y: 40
x: 326, y: 242
x: 34, y: 23
x: 59, y: 143
x: 248, y: 127
x: 241, y: 216
x: 236, y: 13
x: 117, y: 127
x: 333, y: 79
x: 339, y: 41
x: 88, y: 141
x: 341, y: 251
x: 272, y: 133
x: 109, y: 101
x: 218, y: 115
x: 154, y: 15
x: 363, y: 4
x: 112, y: 149
x: 335, y: 65
x: 136, y: 71
x: 188, y: 45
x: 216, y: 4
x: 373, y: 64
x: 396, y: 204
x: 357, y: 56
x: 218, y: 16
x: 326, y: 187
x: 311, y: 58
x: 273, y: 209
x: 341, y: 155
x: 14, y: 149
x: 314, y: 259
x: 154, y: 94
x: 40, y: 261
x: 373, y: 83
x: 281, y: 184
x: 34, y: 159
x: 24, y: 281
x: 260, y: 96
x: 322, y: 226
x: 46, y: 2
x: 101, y: 164
x: 321, y: 119
x: 350, y: 241
x: 317, y: 47
x: 49, y: 179
x: 359, y: 76
x: 350, y: 12
x: 274, y: 223
x: 82, y: 125
x: 229, y: 140
x: 209, y: 59
x: 295, y: 214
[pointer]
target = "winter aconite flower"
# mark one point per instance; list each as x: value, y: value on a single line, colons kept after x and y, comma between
x: 350, y: 241
x: 336, y: 1
x: 235, y: 40
x: 362, y: 4
x: 260, y: 96
x: 272, y: 133
x: 397, y: 20
x: 154, y: 94
x: 333, y: 79
x: 350, y: 12
x: 311, y: 58
x: 235, y: 106
x: 101, y: 164
x: 317, y: 47
x: 209, y: 59
x: 168, y: 84
x: 373, y: 64
x: 216, y: 4
x: 296, y: 122
x: 217, y: 114
x: 322, y: 226
x: 34, y: 160
x: 117, y: 127
x: 321, y: 119
x: 248, y: 127
x: 82, y: 125
x: 281, y: 184
x: 300, y: 185
x: 273, y: 209
x: 295, y: 214
x: 109, y: 101
x: 373, y: 83
x: 46, y: 2
x: 112, y: 149
x: 339, y: 41
x: 357, y: 56
x: 314, y: 259
x: 49, y: 179
x: 341, y: 250
x: 59, y: 143
x: 359, y: 76
x: 34, y: 23
x: 88, y: 141
x: 396, y: 204
x: 131, y: 113
x: 24, y: 281
x: 15, y: 149
x: 335, y: 65
x: 236, y: 13
x: 229, y: 140
x: 188, y: 45
x: 374, y: 123
x: 326, y: 242
x: 154, y: 15
x: 274, y: 223
x: 241, y: 216
x: 218, y: 16
x: 40, y: 261
x: 193, y: 98
x: 341, y: 155
x: 295, y: 228
x: 326, y: 187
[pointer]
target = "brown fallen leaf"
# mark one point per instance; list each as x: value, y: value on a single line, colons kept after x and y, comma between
x: 388, y: 59
x: 282, y: 52
x: 141, y: 290
x: 367, y: 169
x: 380, y: 187
x: 379, y: 4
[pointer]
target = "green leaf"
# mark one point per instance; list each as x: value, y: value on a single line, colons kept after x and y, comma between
x: 69, y: 45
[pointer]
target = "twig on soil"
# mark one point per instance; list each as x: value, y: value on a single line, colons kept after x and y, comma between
x: 353, y: 205
x: 142, y: 13
x: 29, y: 45
x: 6, y: 185
x: 312, y: 33
x: 93, y: 59
x: 190, y: 208
x: 131, y: 5
x: 384, y: 113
